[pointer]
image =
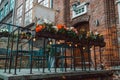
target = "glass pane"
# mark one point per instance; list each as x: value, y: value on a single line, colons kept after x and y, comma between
x: 19, y: 21
x: 82, y: 9
x: 46, y: 3
x: 1, y: 14
x: 29, y: 5
x: 19, y: 11
x: 6, y: 9
x: 28, y: 17
x: 11, y: 4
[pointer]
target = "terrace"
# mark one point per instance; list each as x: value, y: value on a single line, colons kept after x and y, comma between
x: 60, y: 61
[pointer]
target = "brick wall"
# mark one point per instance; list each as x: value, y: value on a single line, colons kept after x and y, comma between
x: 58, y: 5
x: 101, y: 10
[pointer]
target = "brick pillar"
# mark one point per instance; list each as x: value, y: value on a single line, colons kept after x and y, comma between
x: 110, y: 22
x: 67, y: 12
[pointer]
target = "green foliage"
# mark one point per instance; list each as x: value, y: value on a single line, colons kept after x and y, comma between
x: 48, y: 27
x: 62, y: 31
x: 71, y: 34
x: 4, y: 34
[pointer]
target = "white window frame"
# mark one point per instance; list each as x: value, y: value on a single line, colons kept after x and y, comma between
x: 28, y: 17
x: 83, y: 5
x: 46, y: 3
x: 28, y: 5
x: 19, y: 11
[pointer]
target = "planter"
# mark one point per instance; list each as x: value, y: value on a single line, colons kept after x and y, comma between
x: 50, y: 35
x: 82, y: 40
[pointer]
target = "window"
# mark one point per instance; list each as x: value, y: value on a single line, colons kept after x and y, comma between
x: 10, y: 27
x: 12, y: 4
x: 19, y: 2
x: 1, y: 14
x: 79, y: 10
x: 29, y: 5
x: 46, y: 3
x: 0, y: 1
x: 19, y: 21
x: 28, y: 17
x: 6, y: 9
x: 19, y: 11
x: 19, y: 15
x: 28, y: 12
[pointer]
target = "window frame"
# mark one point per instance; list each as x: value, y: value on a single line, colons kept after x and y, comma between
x: 28, y: 17
x: 29, y: 5
x: 12, y: 2
x: 6, y: 9
x: 48, y: 4
x: 19, y: 21
x: 28, y: 10
x: 19, y: 15
x: 1, y: 14
x: 78, y: 8
x: 20, y: 11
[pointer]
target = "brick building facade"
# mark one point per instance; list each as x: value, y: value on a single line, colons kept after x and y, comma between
x: 92, y: 15
x: 98, y: 16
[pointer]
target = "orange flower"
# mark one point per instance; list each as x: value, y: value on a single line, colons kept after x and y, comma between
x: 38, y: 28
x: 59, y: 26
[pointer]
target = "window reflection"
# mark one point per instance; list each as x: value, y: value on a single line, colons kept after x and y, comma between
x: 1, y: 14
x: 6, y: 9
x: 29, y: 5
x: 11, y: 4
x: 28, y: 11
x: 19, y: 11
x: 28, y: 17
x: 19, y: 15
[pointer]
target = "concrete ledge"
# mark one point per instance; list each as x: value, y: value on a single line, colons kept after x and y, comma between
x: 24, y: 74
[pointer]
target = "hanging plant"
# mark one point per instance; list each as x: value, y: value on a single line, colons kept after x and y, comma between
x: 25, y: 35
x: 4, y: 34
x: 72, y: 32
x: 90, y: 38
x: 82, y: 35
x: 62, y: 29
x: 60, y: 26
x: 28, y: 34
x: 48, y: 27
x: 39, y: 28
